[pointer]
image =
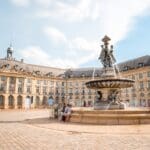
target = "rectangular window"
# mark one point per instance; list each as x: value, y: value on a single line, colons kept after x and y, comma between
x: 57, y: 84
x: 70, y: 83
x: 38, y: 89
x: 148, y: 84
x: 45, y: 82
x: 3, y: 78
x: 2, y: 87
x: 140, y: 75
x: 77, y: 84
x: 28, y: 80
x: 70, y: 90
x: 12, y: 80
x: 133, y: 77
x: 38, y: 82
x: 20, y: 89
x: 28, y: 89
x: 141, y: 85
x: 148, y: 74
x: 44, y: 90
x: 20, y: 80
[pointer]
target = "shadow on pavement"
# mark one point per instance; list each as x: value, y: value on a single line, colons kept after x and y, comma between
x: 41, y: 121
x: 10, y: 121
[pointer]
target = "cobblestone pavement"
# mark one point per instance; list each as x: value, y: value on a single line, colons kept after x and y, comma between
x: 33, y: 130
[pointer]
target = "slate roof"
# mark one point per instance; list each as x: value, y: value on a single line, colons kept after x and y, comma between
x: 124, y: 66
x: 30, y: 68
x: 135, y: 63
x: 70, y: 73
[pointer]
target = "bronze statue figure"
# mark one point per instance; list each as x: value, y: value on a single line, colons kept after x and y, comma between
x: 106, y: 56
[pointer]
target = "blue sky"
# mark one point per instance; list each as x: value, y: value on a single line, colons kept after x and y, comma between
x: 68, y: 33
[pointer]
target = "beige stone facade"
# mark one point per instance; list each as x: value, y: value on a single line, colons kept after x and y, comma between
x: 139, y: 95
x: 26, y: 85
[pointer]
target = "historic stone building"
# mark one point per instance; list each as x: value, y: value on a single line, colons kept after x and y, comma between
x: 27, y: 85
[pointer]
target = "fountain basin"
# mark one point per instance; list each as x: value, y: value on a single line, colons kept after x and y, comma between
x: 110, y: 83
x: 110, y: 117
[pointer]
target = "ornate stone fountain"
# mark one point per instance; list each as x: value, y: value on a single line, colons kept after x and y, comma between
x: 108, y: 108
x: 109, y: 86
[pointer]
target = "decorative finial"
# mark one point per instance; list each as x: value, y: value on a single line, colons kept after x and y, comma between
x: 9, y: 51
x: 106, y: 39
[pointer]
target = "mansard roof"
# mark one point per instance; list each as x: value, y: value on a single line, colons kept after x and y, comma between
x: 135, y: 63
x: 124, y: 66
x: 35, y: 70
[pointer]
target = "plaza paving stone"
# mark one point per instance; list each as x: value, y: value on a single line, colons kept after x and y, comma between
x: 33, y: 130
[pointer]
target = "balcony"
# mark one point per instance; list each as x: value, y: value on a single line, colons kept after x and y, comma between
x: 11, y: 92
x: 2, y: 91
x: 89, y: 93
x: 45, y: 93
x: 20, y: 92
x: 141, y: 89
x: 29, y: 92
x: 148, y: 89
x: 62, y: 94
x: 70, y: 94
x: 77, y: 93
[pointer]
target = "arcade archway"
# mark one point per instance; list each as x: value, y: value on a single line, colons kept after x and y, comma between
x: 2, y: 102
x: 11, y: 102
x: 19, y: 101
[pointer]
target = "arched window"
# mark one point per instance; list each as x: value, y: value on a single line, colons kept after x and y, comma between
x: 142, y: 94
x: 1, y: 101
x: 45, y: 101
x: 11, y: 101
x: 19, y: 101
x: 37, y: 102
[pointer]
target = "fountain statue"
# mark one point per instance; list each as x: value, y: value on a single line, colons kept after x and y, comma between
x: 109, y: 86
x: 106, y: 55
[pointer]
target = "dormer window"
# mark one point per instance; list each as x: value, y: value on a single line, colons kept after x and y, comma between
x: 96, y: 75
x: 21, y: 69
x: 16, y: 67
x: 7, y: 66
x: 71, y: 75
x: 126, y: 68
x: 140, y: 64
x: 83, y: 75
x: 50, y: 74
x: 38, y: 72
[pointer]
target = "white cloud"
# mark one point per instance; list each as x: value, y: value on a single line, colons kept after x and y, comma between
x: 36, y: 55
x: 68, y: 11
x: 44, y: 3
x: 21, y: 3
x: 82, y: 44
x: 55, y: 35
x: 115, y: 18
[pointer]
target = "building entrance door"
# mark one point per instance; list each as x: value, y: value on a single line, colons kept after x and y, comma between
x: 28, y: 102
